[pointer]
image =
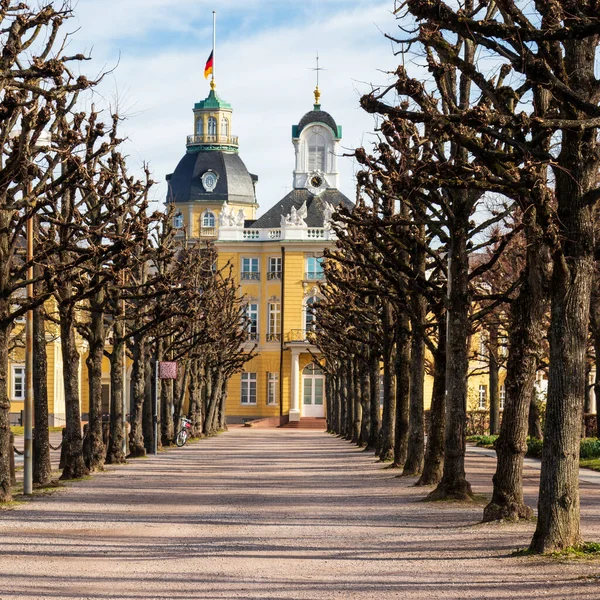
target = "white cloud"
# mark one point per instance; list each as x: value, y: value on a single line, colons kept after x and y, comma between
x: 265, y: 76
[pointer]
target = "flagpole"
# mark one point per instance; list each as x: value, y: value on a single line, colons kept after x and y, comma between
x: 214, y: 42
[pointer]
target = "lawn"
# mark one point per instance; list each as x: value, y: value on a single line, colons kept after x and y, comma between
x: 20, y: 430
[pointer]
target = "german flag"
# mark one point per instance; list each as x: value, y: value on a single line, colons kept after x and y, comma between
x: 208, y: 69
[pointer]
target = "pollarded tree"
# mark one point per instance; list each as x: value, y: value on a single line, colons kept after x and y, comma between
x: 551, y: 48
x: 38, y: 90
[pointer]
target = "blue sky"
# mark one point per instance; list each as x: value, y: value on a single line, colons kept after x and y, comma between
x: 265, y: 49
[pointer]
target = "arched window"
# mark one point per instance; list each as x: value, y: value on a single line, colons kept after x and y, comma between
x: 317, y: 147
x: 309, y: 316
x: 212, y: 126
x: 225, y: 126
x: 208, y: 219
x: 178, y: 221
x: 199, y: 126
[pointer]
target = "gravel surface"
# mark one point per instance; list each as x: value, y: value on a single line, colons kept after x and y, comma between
x: 276, y: 514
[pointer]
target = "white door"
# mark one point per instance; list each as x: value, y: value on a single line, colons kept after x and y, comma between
x: 313, y: 385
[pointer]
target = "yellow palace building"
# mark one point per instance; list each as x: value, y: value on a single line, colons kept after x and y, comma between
x: 277, y: 257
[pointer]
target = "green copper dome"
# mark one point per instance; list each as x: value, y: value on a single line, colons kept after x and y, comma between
x: 212, y: 102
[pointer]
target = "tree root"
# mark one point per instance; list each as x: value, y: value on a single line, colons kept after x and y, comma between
x: 511, y: 511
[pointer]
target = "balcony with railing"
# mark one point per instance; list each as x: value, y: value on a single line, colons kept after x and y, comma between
x: 212, y: 140
x: 252, y: 336
x: 250, y: 275
x: 208, y: 233
x: 288, y: 233
x: 273, y: 275
x: 273, y: 337
x: 314, y: 276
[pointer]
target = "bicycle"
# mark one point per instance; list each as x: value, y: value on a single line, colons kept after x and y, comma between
x: 184, y: 432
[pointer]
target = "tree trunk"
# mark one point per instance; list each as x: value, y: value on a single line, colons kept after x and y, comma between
x: 526, y: 331
x: 343, y: 398
x: 572, y: 279
x: 357, y: 395
x: 74, y: 463
x: 365, y: 392
x: 148, y: 408
x: 350, y: 400
x: 196, y: 414
x: 454, y: 483
x: 416, y: 440
x: 388, y: 419
x: 6, y: 449
x: 375, y: 388
x: 494, y: 379
x: 167, y: 427
x: 42, y: 467
x: 179, y: 389
x: 95, y: 451
x: 115, y: 454
x: 535, y: 418
x: 434, y: 455
x: 138, y: 388
x: 402, y: 389
x: 223, y: 406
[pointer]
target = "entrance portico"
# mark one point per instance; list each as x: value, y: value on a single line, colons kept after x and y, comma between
x: 307, y: 396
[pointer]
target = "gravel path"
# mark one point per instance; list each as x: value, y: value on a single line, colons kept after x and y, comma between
x: 275, y: 514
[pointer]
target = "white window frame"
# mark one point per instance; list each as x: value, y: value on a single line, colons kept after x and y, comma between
x: 274, y: 324
x: 482, y: 397
x: 212, y: 126
x: 248, y: 270
x: 251, y: 313
x: 178, y: 221
x: 248, y: 388
x: 272, y: 389
x: 274, y: 271
x: 314, y: 267
x: 317, y: 152
x: 199, y: 126
x: 17, y: 372
x: 208, y: 219
x: 224, y: 126
x: 502, y: 396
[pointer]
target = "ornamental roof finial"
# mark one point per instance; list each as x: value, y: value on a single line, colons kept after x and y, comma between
x: 317, y: 98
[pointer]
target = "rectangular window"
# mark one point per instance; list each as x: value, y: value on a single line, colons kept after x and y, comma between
x: 18, y: 382
x: 272, y: 387
x: 314, y: 268
x: 381, y: 391
x: 274, y: 268
x: 482, y: 397
x: 502, y: 396
x: 274, y: 332
x: 248, y: 388
x: 250, y: 268
x: 251, y: 314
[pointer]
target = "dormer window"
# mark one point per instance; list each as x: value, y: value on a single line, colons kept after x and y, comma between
x: 317, y: 147
x: 212, y: 126
x: 178, y: 221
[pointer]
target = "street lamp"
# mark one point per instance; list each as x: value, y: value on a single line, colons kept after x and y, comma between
x: 43, y: 140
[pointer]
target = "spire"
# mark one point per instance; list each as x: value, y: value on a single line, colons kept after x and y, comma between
x: 317, y: 92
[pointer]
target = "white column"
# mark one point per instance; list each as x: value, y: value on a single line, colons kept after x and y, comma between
x: 295, y: 386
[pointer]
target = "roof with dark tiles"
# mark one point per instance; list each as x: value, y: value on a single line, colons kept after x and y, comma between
x: 316, y: 116
x: 314, y: 204
x: 235, y: 184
